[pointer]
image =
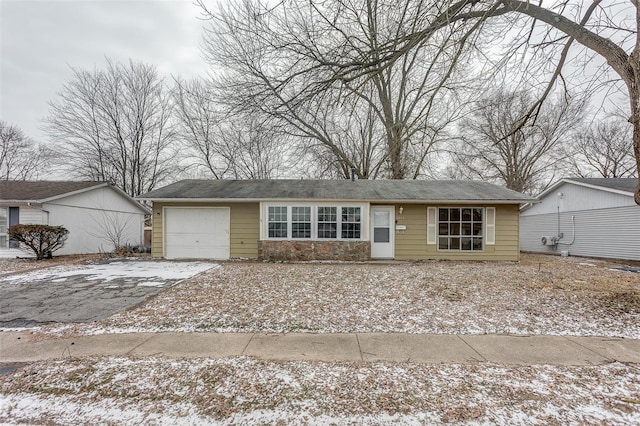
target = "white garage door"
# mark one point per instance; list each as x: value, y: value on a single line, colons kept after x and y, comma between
x: 196, y: 233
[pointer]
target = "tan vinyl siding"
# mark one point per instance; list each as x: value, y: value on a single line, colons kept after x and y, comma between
x: 412, y: 244
x: 245, y: 227
x: 245, y: 230
x: 409, y: 245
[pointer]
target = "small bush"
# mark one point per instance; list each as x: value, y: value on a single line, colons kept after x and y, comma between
x: 43, y: 240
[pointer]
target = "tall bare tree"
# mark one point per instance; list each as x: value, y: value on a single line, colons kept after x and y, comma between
x: 609, y: 31
x: 239, y: 146
x: 525, y: 160
x: 20, y: 157
x: 253, y: 148
x: 199, y: 119
x: 604, y: 149
x: 274, y: 60
x: 114, y: 124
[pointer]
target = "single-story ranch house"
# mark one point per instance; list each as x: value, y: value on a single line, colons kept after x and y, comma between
x: 95, y: 213
x: 335, y: 220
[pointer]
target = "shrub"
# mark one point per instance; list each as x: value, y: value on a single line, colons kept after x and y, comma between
x: 42, y: 239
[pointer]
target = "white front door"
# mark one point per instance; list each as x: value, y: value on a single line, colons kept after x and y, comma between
x: 382, y: 232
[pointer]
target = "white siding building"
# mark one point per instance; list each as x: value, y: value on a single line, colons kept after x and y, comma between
x: 585, y: 217
x: 95, y: 213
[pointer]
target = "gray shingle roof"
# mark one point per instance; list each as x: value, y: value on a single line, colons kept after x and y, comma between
x: 16, y: 190
x: 360, y: 190
x: 620, y: 184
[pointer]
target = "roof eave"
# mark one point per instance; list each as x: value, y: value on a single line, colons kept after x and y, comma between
x: 78, y: 191
x: 556, y: 185
x: 289, y: 200
x: 602, y: 188
x: 5, y: 201
x: 129, y: 199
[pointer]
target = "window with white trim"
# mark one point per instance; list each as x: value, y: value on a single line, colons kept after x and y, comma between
x: 4, y: 225
x: 310, y: 221
x: 301, y: 222
x: 277, y: 222
x: 351, y: 222
x: 460, y: 228
x: 327, y: 222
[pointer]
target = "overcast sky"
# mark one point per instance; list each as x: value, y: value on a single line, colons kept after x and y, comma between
x: 40, y: 40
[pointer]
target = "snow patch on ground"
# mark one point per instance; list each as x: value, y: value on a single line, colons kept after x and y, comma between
x: 116, y: 270
x: 150, y: 284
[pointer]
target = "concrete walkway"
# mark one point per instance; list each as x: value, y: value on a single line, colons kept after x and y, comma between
x: 19, y: 347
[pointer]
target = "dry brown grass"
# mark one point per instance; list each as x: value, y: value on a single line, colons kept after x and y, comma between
x: 248, y: 391
x: 540, y: 295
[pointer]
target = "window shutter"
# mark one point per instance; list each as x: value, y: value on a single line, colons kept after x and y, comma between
x: 431, y: 225
x: 490, y: 236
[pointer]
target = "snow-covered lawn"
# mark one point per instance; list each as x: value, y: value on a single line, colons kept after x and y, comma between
x: 248, y: 391
x: 540, y: 295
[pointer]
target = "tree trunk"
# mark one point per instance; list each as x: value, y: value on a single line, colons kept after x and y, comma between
x: 396, y: 152
x: 633, y: 84
x: 635, y: 120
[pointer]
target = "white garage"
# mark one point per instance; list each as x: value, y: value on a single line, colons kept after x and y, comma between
x: 196, y: 232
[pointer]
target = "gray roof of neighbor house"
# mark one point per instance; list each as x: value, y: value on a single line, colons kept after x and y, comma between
x: 18, y: 190
x: 359, y: 190
x: 620, y: 184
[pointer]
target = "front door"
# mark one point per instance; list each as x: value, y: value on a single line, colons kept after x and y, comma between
x: 382, y: 232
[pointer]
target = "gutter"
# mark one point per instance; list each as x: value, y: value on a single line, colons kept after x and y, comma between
x: 334, y: 200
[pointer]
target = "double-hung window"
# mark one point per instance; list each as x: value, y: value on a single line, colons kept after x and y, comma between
x: 4, y: 224
x: 277, y: 219
x: 327, y: 222
x: 460, y: 229
x: 314, y: 222
x: 300, y: 222
x: 351, y: 222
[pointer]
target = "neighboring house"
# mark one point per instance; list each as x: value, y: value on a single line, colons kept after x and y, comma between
x: 95, y: 213
x: 335, y: 220
x: 584, y: 217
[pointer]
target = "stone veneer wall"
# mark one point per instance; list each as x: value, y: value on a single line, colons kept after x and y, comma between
x: 314, y: 250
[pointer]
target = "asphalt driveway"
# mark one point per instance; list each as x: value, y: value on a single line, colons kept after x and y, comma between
x: 86, y: 293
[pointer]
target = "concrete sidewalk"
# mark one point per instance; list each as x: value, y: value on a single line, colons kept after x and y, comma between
x: 18, y: 347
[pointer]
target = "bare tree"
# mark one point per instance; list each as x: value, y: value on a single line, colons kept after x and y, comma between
x: 112, y: 227
x: 115, y: 125
x: 240, y: 146
x: 275, y: 61
x: 199, y: 119
x: 524, y: 160
x: 610, y: 32
x: 253, y: 149
x: 604, y: 149
x: 20, y: 157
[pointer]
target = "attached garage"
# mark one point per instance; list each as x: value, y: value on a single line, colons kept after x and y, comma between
x: 330, y: 220
x: 197, y: 232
